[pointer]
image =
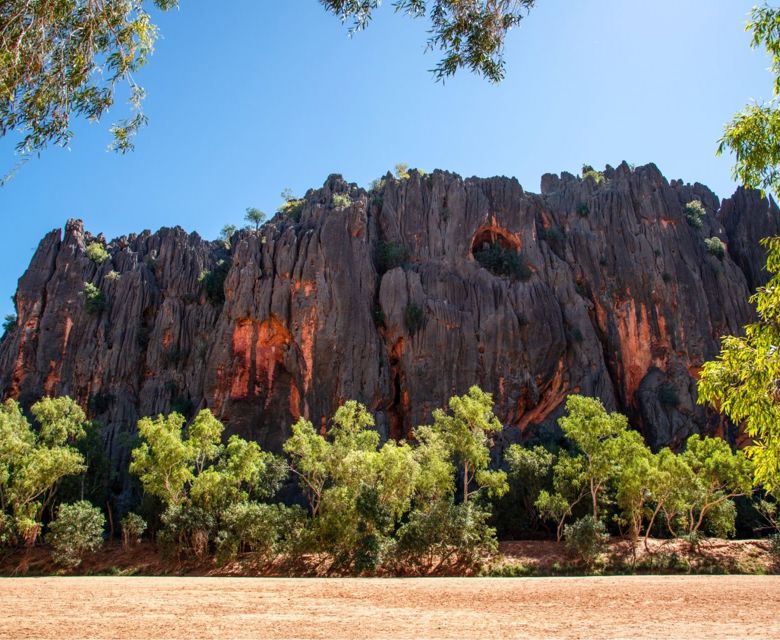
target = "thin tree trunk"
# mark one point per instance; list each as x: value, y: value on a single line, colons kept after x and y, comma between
x: 110, y: 520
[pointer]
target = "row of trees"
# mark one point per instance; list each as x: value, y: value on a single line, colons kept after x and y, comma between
x: 426, y: 505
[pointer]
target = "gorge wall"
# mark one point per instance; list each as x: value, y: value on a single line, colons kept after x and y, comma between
x: 623, y: 302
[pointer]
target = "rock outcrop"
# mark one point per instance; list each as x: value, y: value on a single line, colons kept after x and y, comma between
x: 623, y: 301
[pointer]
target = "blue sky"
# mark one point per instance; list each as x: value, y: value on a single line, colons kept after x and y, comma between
x: 247, y: 97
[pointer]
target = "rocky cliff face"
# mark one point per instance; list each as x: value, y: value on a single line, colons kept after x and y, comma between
x: 623, y: 302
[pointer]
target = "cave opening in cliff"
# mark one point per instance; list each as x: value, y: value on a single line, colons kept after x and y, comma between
x: 491, y: 236
x: 498, y: 251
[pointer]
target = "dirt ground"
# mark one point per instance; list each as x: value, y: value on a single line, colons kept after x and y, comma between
x: 345, y: 608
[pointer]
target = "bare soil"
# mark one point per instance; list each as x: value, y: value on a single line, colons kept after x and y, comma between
x: 517, y: 558
x: 345, y: 608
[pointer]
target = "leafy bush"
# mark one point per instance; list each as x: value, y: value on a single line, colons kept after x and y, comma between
x: 96, y: 252
x: 113, y: 276
x: 377, y: 185
x: 340, y: 200
x: 8, y: 537
x: 133, y: 527
x: 390, y: 255
x: 715, y: 247
x: 694, y: 212
x: 414, y: 318
x: 213, y: 282
x: 249, y: 527
x: 9, y: 323
x: 446, y: 535
x: 590, y: 172
x: 721, y: 520
x: 94, y: 299
x: 77, y: 530
x: 503, y: 261
x: 187, y: 529
x: 553, y: 235
x: 292, y: 209
x: 586, y: 537
x: 262, y: 530
x: 402, y: 171
x: 583, y: 210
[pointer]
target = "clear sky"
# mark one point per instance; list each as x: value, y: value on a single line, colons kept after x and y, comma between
x: 247, y: 97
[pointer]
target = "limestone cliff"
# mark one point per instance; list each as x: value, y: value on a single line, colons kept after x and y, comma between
x: 621, y: 300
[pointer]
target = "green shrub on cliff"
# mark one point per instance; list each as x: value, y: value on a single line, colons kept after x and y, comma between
x: 503, y: 261
x: 694, y: 213
x: 95, y: 300
x: 96, y: 252
x: 9, y: 323
x: 715, y: 247
x: 340, y: 201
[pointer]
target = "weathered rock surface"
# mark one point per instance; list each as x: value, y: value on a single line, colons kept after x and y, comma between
x: 624, y: 302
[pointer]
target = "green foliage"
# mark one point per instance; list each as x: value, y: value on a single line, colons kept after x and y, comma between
x: 373, y: 505
x: 401, y: 171
x: 753, y: 135
x: 715, y: 247
x: 187, y: 529
x: 340, y: 200
x: 96, y: 252
x: 377, y: 185
x: 390, y: 255
x: 77, y: 530
x: 694, y: 213
x: 262, y: 530
x: 742, y: 380
x: 599, y: 436
x: 590, y: 172
x: 10, y: 322
x: 292, y: 209
x: 213, y: 282
x: 414, y: 318
x: 33, y: 462
x: 198, y: 478
x: 503, y: 261
x: 468, y: 430
x: 95, y: 301
x: 587, y: 538
x: 133, y: 527
x: 529, y: 472
x: 443, y: 534
x: 226, y: 234
x: 61, y: 60
x: 356, y: 490
x: 716, y: 475
x: 113, y: 276
x: 254, y: 216
x: 468, y: 33
x: 553, y: 235
x: 583, y: 210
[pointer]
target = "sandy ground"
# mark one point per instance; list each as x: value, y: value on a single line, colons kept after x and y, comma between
x: 610, y: 607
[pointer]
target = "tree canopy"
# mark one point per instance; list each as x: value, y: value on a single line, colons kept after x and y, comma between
x: 753, y: 135
x: 61, y: 60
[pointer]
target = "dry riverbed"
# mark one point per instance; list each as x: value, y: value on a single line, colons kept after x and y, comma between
x: 344, y: 608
